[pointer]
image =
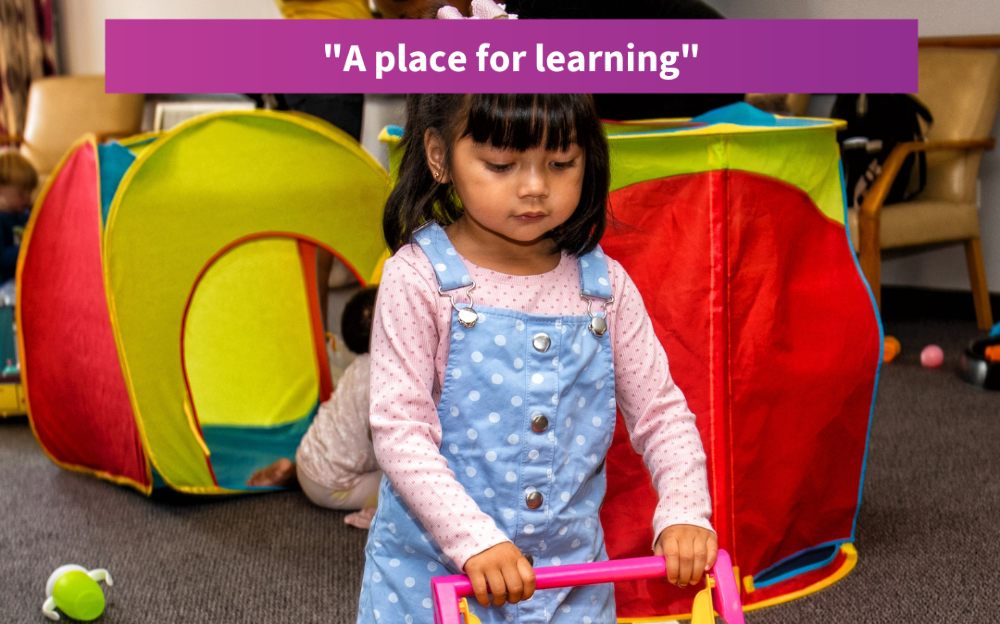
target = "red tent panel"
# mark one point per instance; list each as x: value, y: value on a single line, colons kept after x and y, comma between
x: 78, y: 402
x: 768, y: 327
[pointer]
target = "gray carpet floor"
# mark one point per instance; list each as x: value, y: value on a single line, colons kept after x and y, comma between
x: 927, y: 532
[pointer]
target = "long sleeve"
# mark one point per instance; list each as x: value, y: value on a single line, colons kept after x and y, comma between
x: 406, y: 431
x: 661, y: 426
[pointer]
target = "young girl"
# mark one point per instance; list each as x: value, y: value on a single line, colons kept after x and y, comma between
x: 503, y: 341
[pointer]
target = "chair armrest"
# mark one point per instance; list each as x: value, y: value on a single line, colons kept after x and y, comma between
x: 875, y: 198
x: 11, y: 138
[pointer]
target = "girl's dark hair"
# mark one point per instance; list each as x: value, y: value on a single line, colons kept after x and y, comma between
x: 507, y: 121
x: 356, y: 322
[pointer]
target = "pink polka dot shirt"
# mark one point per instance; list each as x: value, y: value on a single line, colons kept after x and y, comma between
x: 410, y: 341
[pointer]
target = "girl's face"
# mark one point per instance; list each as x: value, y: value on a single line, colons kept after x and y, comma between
x: 519, y: 196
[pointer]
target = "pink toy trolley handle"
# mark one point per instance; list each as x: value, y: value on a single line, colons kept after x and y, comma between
x: 447, y: 590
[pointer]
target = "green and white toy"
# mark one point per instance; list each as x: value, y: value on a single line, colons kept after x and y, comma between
x: 74, y: 590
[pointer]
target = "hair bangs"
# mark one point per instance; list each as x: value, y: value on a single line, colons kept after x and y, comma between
x: 516, y: 122
x: 524, y: 121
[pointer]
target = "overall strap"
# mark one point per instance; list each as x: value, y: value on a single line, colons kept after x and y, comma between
x: 595, y: 281
x: 448, y: 267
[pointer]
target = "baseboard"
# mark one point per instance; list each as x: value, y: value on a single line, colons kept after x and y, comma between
x: 901, y: 303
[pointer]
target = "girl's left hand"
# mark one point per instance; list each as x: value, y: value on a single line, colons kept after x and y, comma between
x: 690, y: 551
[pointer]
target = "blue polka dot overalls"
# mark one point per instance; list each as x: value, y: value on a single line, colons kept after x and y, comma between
x: 527, y: 413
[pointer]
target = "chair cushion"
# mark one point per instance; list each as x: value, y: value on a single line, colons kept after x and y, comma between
x: 61, y: 109
x: 922, y: 223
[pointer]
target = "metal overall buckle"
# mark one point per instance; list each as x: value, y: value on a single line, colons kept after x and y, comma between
x: 598, y: 324
x: 467, y: 315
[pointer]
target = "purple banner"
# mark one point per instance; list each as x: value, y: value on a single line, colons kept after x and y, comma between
x: 514, y: 56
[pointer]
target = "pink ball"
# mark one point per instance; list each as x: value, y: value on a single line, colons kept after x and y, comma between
x: 932, y: 356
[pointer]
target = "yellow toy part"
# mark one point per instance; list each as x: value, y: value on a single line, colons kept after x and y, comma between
x: 467, y: 616
x: 701, y: 610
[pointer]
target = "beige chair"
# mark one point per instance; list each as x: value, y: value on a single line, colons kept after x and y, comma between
x: 961, y: 87
x: 61, y: 109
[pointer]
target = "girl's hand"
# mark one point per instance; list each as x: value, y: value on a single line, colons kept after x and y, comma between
x: 690, y: 551
x: 509, y: 575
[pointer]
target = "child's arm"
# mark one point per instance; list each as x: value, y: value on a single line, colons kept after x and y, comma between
x: 406, y: 432
x: 663, y: 431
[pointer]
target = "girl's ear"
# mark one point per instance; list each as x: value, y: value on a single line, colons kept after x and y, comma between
x: 434, y: 147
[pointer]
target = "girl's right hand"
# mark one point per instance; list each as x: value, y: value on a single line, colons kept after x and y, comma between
x: 509, y: 576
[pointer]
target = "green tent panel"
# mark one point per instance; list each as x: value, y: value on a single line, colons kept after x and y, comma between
x: 203, y: 263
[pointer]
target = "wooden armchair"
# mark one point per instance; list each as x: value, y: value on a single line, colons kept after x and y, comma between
x: 63, y: 108
x: 961, y: 88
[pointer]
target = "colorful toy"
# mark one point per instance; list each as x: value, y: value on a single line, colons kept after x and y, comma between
x: 74, y: 590
x: 168, y: 321
x: 891, y: 349
x: 448, y: 591
x: 992, y: 353
x: 735, y: 235
x: 932, y: 356
x: 980, y: 363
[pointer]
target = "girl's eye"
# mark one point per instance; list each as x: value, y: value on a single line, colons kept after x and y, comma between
x: 566, y: 164
x: 499, y: 168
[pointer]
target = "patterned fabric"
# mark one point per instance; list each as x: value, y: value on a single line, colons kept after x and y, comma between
x: 411, y: 340
x: 527, y: 412
x: 27, y: 53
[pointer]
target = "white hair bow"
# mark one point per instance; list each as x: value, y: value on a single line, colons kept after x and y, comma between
x: 481, y: 9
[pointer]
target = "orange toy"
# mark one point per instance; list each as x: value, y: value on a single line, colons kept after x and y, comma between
x: 892, y: 349
x: 993, y: 353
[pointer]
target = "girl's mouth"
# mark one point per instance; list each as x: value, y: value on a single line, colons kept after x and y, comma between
x: 530, y: 217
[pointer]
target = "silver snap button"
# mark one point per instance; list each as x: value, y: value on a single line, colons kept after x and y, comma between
x: 467, y: 317
x: 598, y: 326
x: 541, y: 342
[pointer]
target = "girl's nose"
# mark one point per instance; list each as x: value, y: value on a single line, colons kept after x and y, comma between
x: 534, y: 184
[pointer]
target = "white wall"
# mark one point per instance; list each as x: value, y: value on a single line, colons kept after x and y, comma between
x: 937, y: 17
x: 81, y: 22
x: 943, y: 268
x: 81, y: 41
x: 81, y: 31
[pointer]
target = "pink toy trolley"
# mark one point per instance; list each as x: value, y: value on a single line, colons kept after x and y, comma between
x: 449, y: 592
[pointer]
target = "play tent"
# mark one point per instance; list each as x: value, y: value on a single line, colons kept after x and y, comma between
x: 167, y: 311
x: 733, y: 230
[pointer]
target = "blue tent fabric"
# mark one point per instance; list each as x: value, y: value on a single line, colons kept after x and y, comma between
x: 238, y: 451
x: 743, y: 114
x: 114, y: 161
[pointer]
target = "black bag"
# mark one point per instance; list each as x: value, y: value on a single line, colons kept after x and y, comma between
x: 876, y: 122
